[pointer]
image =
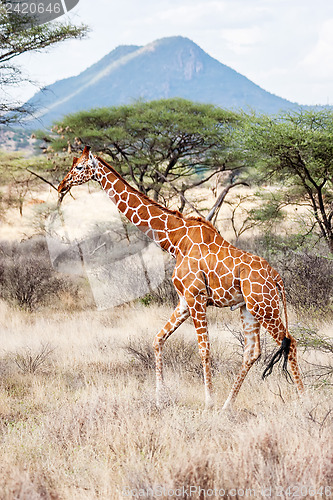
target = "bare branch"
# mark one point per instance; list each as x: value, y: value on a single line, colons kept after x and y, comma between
x: 181, y: 195
x: 217, y: 205
x: 42, y: 178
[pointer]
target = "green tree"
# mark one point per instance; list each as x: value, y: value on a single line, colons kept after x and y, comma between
x: 297, y: 149
x: 157, y: 142
x: 18, y: 35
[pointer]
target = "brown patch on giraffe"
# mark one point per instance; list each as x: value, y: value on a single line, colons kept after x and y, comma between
x: 143, y: 213
x: 135, y: 219
x: 257, y: 288
x: 122, y: 206
x: 154, y: 211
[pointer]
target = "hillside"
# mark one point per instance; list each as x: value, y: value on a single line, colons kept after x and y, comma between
x: 170, y: 67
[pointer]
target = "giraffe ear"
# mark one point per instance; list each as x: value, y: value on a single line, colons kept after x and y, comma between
x: 86, y: 150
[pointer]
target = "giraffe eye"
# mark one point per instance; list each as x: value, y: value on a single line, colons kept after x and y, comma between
x: 79, y: 167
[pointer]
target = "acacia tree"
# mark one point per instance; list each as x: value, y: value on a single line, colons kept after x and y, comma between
x: 18, y: 35
x: 297, y: 148
x: 157, y: 142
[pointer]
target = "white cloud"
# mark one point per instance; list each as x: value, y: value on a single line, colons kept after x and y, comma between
x: 319, y: 59
x: 241, y: 40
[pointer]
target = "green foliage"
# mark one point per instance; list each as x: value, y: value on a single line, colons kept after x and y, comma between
x: 151, y: 142
x: 16, y: 182
x: 309, y: 338
x: 13, y: 166
x: 297, y: 149
x: 269, y: 211
x: 146, y: 300
x: 18, y: 35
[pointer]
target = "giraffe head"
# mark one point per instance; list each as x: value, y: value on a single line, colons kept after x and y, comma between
x: 83, y: 169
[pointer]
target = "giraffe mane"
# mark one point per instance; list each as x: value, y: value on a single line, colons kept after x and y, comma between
x: 202, y: 220
x: 153, y: 202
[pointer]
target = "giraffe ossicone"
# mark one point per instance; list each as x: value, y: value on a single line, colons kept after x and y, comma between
x: 208, y: 271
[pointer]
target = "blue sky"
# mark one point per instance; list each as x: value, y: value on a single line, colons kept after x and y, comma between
x: 285, y: 46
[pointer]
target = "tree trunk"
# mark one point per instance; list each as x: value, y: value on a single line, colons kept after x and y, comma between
x: 220, y: 199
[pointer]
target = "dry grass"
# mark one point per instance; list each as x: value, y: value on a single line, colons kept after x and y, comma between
x: 78, y: 418
x: 84, y: 424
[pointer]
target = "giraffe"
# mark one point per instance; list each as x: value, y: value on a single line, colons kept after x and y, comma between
x: 208, y: 271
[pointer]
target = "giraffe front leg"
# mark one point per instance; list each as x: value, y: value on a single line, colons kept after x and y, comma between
x: 180, y: 314
x: 197, y: 307
x: 251, y: 328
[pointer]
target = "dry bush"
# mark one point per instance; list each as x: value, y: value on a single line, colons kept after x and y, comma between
x: 165, y: 293
x: 30, y: 361
x: 309, y: 281
x: 318, y: 372
x: 27, y: 278
x: 179, y: 355
x: 309, y: 338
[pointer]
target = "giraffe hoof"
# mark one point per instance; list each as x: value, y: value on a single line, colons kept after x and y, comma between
x: 209, y: 405
x: 162, y: 399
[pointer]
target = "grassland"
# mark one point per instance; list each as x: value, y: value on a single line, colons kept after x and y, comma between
x: 82, y: 422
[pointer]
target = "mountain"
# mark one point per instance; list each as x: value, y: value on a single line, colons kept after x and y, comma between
x: 169, y: 67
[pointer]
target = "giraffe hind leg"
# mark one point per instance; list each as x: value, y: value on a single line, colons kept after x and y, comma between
x: 264, y: 306
x: 251, y: 328
x: 292, y: 358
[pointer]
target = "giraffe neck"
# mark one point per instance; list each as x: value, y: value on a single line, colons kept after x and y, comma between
x: 157, y: 222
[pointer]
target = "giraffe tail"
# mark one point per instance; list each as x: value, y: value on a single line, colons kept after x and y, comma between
x: 283, y: 351
x: 286, y: 341
x: 280, y: 286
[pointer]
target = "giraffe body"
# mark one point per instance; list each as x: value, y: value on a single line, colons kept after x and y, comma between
x: 208, y: 271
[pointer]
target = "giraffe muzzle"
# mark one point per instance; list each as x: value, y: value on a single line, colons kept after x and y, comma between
x: 63, y: 188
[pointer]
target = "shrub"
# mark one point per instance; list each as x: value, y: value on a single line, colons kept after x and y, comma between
x: 27, y: 278
x: 179, y: 355
x: 30, y: 361
x: 309, y: 281
x: 320, y: 371
x: 165, y: 293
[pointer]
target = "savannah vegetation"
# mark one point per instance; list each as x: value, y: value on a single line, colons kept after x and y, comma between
x: 78, y: 417
x: 172, y: 143
x: 20, y: 34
